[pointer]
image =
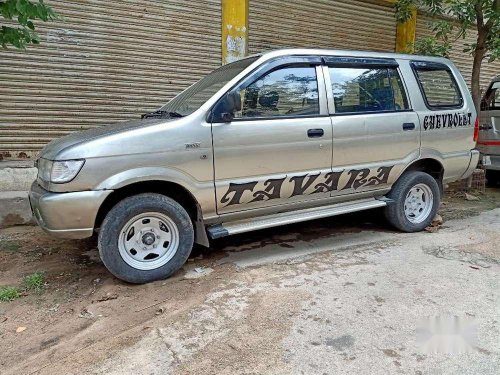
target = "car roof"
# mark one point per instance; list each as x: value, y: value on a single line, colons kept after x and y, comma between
x: 347, y: 53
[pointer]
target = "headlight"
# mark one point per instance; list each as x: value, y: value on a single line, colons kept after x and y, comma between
x: 59, y: 172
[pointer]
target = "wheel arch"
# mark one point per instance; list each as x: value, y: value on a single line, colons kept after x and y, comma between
x: 167, y: 188
x: 428, y: 165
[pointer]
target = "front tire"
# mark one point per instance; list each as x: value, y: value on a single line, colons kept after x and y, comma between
x: 415, y: 201
x: 145, y: 237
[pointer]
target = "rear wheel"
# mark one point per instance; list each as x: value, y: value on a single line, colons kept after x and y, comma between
x: 145, y: 237
x: 416, y: 197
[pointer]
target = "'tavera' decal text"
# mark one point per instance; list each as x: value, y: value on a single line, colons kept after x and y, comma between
x: 306, y: 184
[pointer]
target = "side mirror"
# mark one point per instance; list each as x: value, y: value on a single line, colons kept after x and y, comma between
x: 234, y: 100
x: 225, y: 109
x: 226, y: 117
x: 484, y: 105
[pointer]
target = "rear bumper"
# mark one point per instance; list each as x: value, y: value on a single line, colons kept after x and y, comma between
x: 473, y: 163
x: 66, y: 215
x: 490, y: 162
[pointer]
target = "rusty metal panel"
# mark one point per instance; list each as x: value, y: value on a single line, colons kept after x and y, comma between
x: 342, y: 24
x: 106, y: 61
x: 463, y: 60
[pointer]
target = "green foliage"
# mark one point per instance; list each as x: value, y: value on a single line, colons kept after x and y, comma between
x: 461, y: 17
x: 34, y: 282
x: 9, y: 293
x: 23, y: 12
x: 438, y: 45
x: 430, y: 46
x: 9, y: 246
x: 403, y: 10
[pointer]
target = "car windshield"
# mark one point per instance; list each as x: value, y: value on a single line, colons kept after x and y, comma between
x: 196, y: 95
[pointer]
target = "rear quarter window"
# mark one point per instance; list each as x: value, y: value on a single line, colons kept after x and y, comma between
x: 438, y: 85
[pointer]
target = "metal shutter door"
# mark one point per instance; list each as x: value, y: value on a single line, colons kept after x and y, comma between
x: 107, y: 61
x: 463, y: 60
x: 361, y: 25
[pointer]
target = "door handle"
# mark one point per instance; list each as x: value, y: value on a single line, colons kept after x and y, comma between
x: 315, y: 133
x: 408, y: 126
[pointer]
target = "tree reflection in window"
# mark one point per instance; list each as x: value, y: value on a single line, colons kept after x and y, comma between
x: 367, y: 90
x: 290, y: 91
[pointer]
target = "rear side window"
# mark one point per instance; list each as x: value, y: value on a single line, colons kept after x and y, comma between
x: 365, y: 89
x: 438, y: 85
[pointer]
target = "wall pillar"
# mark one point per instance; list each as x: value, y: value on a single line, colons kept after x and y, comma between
x: 405, y: 34
x: 234, y: 30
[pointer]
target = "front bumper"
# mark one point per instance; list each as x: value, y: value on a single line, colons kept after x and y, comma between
x: 66, y: 215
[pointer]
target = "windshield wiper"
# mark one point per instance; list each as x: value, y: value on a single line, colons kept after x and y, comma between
x: 161, y: 114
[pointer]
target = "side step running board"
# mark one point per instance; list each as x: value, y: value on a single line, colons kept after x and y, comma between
x: 247, y: 225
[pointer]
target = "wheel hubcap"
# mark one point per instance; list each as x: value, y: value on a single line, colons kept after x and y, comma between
x: 148, y: 241
x: 418, y: 203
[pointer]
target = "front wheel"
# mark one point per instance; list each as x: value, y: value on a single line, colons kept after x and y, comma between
x: 145, y: 237
x: 415, y: 201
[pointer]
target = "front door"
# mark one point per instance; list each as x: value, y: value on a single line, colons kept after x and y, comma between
x: 375, y: 134
x: 279, y: 145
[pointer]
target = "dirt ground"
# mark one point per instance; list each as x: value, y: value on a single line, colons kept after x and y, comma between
x: 277, y: 301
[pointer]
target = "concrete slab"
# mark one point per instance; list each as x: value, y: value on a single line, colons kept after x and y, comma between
x: 16, y: 177
x: 300, y: 250
x: 14, y: 208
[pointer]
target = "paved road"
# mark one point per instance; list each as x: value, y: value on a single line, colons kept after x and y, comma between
x: 316, y: 301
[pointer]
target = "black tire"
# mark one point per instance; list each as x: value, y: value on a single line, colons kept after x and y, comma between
x: 395, y: 210
x: 126, y: 210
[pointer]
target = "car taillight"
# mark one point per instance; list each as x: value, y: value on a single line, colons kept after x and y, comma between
x: 476, y: 129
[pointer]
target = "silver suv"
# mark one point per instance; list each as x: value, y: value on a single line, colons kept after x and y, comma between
x: 489, y: 132
x: 277, y: 138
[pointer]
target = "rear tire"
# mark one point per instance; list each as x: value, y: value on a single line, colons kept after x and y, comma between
x: 145, y: 237
x: 416, y: 197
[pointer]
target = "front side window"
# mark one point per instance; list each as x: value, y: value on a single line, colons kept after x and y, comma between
x: 284, y: 92
x: 359, y: 90
x: 439, y: 86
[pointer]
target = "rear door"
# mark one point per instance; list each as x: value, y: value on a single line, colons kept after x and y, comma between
x: 375, y: 131
x: 489, y: 121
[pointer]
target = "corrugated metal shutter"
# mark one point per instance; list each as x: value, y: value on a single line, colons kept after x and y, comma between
x: 348, y: 24
x: 107, y: 61
x: 463, y: 60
